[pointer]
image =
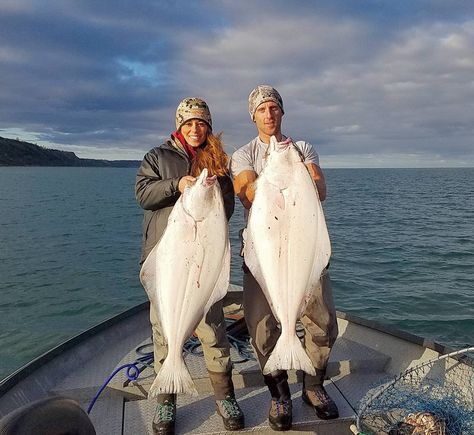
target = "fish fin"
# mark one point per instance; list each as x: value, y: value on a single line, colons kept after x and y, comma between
x: 320, y: 263
x: 148, y: 278
x: 243, y: 234
x: 148, y: 275
x: 287, y: 356
x: 320, y: 260
x: 173, y: 377
x: 251, y: 261
x: 307, y: 297
x: 222, y: 283
x: 250, y: 258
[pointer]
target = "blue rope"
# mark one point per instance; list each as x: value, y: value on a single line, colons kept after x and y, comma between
x: 243, y: 348
x: 192, y: 345
x: 132, y: 374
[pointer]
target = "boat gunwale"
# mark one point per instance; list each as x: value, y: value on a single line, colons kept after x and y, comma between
x: 30, y: 367
x: 441, y: 349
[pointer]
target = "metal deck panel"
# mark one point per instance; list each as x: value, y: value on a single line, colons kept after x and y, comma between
x: 197, y: 415
x: 355, y: 386
x: 347, y: 356
x: 107, y: 415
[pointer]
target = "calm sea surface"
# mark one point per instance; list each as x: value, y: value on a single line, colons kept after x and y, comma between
x: 403, y: 251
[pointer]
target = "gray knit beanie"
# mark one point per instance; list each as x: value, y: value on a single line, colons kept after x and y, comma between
x: 262, y: 94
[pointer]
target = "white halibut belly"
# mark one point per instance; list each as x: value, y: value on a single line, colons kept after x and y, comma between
x: 285, y: 242
x: 287, y: 246
x: 184, y: 275
x: 189, y: 269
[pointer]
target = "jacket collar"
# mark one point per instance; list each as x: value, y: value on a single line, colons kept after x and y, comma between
x: 175, y: 145
x: 179, y: 138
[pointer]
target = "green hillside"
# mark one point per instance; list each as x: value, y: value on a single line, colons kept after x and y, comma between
x: 18, y: 153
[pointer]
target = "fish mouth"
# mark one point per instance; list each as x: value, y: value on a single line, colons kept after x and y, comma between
x: 205, y: 180
x: 209, y: 181
x: 282, y: 146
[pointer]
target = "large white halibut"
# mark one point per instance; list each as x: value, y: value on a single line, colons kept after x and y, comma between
x: 186, y: 273
x: 287, y: 247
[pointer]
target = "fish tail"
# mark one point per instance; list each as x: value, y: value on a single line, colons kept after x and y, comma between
x: 289, y: 355
x: 173, y: 377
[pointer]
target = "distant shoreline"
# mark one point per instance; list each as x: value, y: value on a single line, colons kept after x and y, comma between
x: 23, y: 154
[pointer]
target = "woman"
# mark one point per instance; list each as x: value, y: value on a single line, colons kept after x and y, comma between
x: 163, y: 175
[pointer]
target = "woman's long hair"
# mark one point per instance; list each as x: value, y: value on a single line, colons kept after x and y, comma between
x: 211, y: 156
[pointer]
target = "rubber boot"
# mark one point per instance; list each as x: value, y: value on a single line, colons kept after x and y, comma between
x: 164, y: 419
x: 226, y: 404
x: 280, y: 416
x: 315, y: 395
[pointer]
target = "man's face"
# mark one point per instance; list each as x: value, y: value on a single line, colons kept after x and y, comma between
x: 268, y: 118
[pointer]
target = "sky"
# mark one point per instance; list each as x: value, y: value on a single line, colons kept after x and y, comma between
x: 370, y: 83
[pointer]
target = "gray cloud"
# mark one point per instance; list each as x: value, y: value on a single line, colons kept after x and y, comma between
x: 367, y: 83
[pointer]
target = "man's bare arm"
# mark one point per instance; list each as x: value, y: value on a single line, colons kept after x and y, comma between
x: 244, y: 187
x: 318, y: 177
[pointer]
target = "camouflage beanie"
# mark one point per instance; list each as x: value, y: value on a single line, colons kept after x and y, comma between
x: 262, y: 94
x: 192, y: 108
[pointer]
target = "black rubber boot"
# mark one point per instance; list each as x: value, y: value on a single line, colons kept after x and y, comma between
x: 164, y: 419
x: 280, y: 415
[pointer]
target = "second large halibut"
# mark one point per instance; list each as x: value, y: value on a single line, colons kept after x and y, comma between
x: 286, y: 247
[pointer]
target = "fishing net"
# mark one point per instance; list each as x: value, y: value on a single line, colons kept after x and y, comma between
x: 433, y: 398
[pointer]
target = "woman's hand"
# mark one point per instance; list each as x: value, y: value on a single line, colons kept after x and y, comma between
x: 185, y: 181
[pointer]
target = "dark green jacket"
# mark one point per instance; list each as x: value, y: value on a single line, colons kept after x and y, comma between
x: 156, y: 190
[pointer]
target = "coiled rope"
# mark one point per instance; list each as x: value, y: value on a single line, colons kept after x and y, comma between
x: 192, y: 345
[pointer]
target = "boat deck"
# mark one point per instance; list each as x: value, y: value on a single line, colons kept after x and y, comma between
x: 350, y: 380
x: 123, y: 408
x: 362, y: 358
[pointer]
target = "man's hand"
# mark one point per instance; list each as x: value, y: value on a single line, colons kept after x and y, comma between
x: 186, y: 181
x: 244, y: 187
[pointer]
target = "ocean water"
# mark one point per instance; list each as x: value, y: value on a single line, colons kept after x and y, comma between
x: 402, y: 239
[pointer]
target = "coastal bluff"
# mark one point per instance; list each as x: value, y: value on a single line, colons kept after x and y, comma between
x: 18, y: 153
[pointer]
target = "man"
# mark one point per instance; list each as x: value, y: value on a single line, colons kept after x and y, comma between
x: 319, y: 319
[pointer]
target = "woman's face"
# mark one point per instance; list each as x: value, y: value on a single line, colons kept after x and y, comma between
x: 195, y: 132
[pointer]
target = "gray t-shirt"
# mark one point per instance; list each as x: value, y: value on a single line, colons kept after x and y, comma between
x: 251, y: 157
